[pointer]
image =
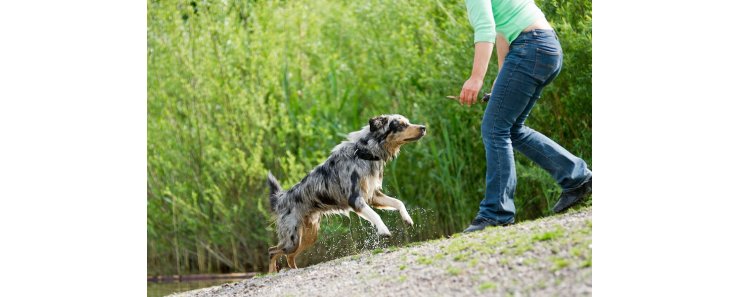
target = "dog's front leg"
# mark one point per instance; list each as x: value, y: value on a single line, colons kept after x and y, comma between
x: 381, y: 200
x: 371, y: 216
x: 357, y: 203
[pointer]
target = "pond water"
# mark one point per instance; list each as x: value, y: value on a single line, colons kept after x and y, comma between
x: 158, y: 289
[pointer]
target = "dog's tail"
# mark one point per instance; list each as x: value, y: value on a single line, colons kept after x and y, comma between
x: 274, y: 190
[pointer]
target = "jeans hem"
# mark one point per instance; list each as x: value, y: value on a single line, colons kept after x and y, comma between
x: 585, y: 180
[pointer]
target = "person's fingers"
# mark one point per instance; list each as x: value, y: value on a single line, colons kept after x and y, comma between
x: 471, y: 98
x: 466, y: 97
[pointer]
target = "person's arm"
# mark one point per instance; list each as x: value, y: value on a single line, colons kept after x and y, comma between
x: 480, y: 16
x: 469, y: 92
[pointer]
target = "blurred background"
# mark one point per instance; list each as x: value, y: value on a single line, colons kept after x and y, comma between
x: 237, y: 88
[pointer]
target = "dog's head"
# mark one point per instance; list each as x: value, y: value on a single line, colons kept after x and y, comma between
x: 395, y: 130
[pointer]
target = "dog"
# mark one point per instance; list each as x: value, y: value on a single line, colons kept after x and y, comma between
x: 349, y: 180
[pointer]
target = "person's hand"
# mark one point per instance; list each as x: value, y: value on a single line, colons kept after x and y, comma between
x: 469, y: 92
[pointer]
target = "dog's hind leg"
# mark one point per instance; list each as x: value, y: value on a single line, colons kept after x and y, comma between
x: 308, y: 234
x: 275, y: 253
x: 291, y: 260
x: 301, y: 247
x: 384, y: 201
x: 289, y: 227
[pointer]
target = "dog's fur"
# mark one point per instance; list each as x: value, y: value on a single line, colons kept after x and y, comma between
x: 350, y: 179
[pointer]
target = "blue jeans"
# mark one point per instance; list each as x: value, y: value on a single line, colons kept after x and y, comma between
x: 534, y: 60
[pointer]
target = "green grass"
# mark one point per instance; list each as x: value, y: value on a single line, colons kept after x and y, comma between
x: 413, y: 244
x: 549, y: 235
x: 462, y: 257
x: 559, y: 263
x: 239, y: 88
x: 529, y: 261
x: 487, y: 286
x: 454, y: 271
x: 473, y: 262
x: 425, y: 260
x: 586, y: 263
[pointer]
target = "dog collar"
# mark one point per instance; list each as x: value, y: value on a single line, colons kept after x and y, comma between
x: 366, y: 155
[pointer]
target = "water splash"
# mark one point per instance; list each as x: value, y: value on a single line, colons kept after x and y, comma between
x: 342, y: 236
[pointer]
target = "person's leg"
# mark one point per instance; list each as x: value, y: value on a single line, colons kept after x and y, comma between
x: 509, y: 99
x: 569, y: 171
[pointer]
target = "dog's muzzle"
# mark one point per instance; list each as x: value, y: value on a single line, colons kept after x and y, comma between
x: 423, y: 131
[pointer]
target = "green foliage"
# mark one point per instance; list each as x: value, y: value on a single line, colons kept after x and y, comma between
x: 237, y: 88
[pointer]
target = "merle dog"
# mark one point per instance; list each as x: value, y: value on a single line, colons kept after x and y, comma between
x: 349, y: 180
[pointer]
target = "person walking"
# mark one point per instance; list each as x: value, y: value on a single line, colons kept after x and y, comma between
x: 529, y: 58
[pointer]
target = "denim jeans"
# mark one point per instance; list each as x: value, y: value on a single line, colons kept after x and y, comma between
x: 534, y: 60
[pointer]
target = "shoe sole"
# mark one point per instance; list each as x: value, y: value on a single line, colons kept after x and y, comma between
x: 575, y: 202
x: 502, y: 225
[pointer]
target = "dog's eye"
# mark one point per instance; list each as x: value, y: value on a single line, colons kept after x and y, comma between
x: 397, y: 126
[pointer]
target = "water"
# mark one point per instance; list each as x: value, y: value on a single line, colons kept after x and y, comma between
x: 158, y: 289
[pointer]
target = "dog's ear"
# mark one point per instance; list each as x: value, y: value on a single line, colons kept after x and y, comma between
x: 377, y: 123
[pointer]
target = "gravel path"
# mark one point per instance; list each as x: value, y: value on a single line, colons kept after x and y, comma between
x: 546, y: 257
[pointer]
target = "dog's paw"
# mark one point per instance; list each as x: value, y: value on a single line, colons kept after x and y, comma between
x: 384, y: 233
x: 408, y: 221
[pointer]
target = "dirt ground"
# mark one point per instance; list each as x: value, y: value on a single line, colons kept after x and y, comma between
x: 546, y: 257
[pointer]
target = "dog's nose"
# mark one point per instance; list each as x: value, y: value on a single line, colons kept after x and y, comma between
x: 423, y: 129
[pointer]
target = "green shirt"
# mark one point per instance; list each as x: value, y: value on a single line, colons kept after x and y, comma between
x: 506, y: 17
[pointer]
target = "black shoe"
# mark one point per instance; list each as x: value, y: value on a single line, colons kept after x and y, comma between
x: 481, y: 223
x: 570, y: 198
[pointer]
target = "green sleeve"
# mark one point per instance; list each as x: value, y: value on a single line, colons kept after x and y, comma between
x: 480, y: 16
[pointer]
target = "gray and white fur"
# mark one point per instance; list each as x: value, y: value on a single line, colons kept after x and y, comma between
x: 349, y: 180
